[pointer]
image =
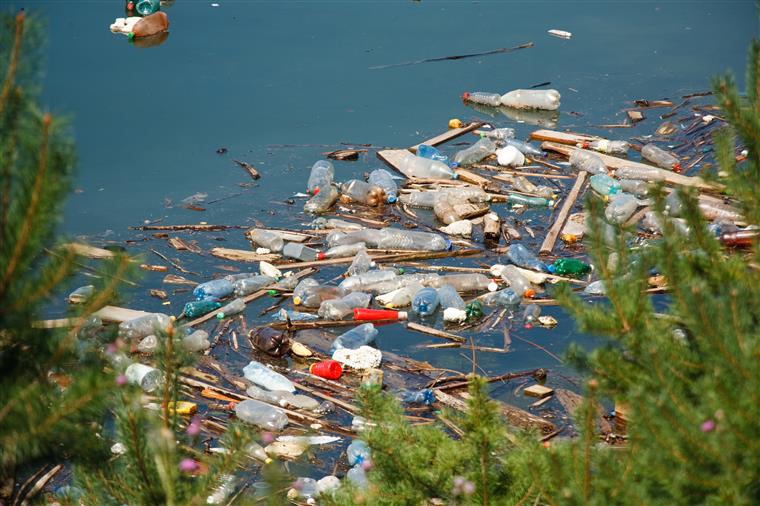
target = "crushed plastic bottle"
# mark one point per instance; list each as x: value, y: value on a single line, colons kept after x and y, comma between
x: 247, y: 286
x: 585, y: 160
x: 505, y: 297
x: 310, y: 293
x: 432, y: 153
x: 604, y: 185
x: 640, y: 173
x: 661, y: 158
x: 523, y: 184
x: 638, y: 188
x: 475, y: 153
x: 424, y: 396
x: 517, y: 281
x: 466, y: 282
x: 260, y: 414
x: 306, y: 488
x: 499, y: 134
x: 360, y: 264
x: 321, y: 176
x: 395, y: 238
x: 345, y: 250
x: 522, y: 257
x: 423, y: 199
x: 339, y: 309
x: 516, y: 198
x: 449, y: 297
x: 261, y: 375
x: 322, y: 201
x: 196, y: 308
x: 595, y: 288
x: 423, y: 168
x: 608, y: 147
x: 357, y: 452
x: 525, y: 148
x: 381, y: 178
x: 328, y: 223
x: 364, y: 281
x: 197, y: 341
x: 301, y: 252
x: 360, y: 335
x: 425, y: 302
x: 363, y: 192
x: 358, y: 477
x: 621, y: 207
x: 569, y: 267
x: 213, y: 290
x: 401, y: 296
x: 231, y: 308
x: 444, y: 210
x: 548, y: 100
x: 482, y: 97
x: 267, y: 239
x: 145, y: 325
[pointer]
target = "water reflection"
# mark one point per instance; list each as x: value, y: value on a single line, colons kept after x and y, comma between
x: 544, y: 119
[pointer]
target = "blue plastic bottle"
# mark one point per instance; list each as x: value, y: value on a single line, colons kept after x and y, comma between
x: 424, y: 396
x: 425, y: 302
x: 432, y: 153
x: 522, y: 257
x: 357, y: 336
x: 214, y: 289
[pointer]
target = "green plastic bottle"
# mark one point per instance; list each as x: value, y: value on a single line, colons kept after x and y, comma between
x: 515, y: 198
x: 198, y: 308
x: 569, y: 267
x: 143, y: 7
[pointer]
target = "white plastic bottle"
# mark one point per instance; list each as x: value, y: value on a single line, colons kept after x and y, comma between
x: 413, y: 166
x: 532, y: 99
x: 608, y: 147
x: 261, y: 375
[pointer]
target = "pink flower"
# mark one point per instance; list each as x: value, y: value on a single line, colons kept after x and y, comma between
x: 121, y: 380
x: 188, y: 465
x: 194, y: 427
x: 468, y: 488
x: 707, y: 426
x: 267, y: 437
x: 366, y: 464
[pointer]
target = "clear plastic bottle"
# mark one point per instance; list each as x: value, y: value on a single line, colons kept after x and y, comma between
x: 604, y: 185
x: 449, y: 297
x: 247, y: 286
x: 288, y: 283
x: 403, y: 296
x: 360, y: 335
x: 516, y: 198
x: 357, y: 452
x: 278, y: 397
x: 363, y: 192
x: 482, y: 97
x: 425, y: 302
x: 424, y: 396
x: 595, y: 288
x: 510, y: 156
x: 345, y: 250
x: 499, y: 134
x: 81, y: 294
x: 267, y: 239
x: 444, y: 210
x: 322, y: 201
x: 340, y: 309
x: 383, y: 179
x: 196, y: 308
x: 525, y: 148
x: 261, y: 415
x: 146, y: 377
x: 261, y: 375
x: 233, y: 278
x: 363, y: 281
x: 148, y: 344
x: 585, y: 160
x: 358, y: 477
x: 301, y: 252
x: 638, y: 188
x: 621, y: 207
x: 608, y: 147
x: 475, y: 153
x: 530, y: 315
x: 360, y: 264
x: 213, y: 290
x: 517, y: 281
x: 145, y: 325
x: 505, y: 297
x: 322, y: 174
x: 661, y: 158
x: 640, y: 173
x: 523, y: 184
x: 310, y: 293
x: 423, y: 168
x: 197, y: 341
x: 548, y: 100
x: 394, y: 238
x: 431, y: 153
x: 466, y: 282
x: 466, y: 193
x: 423, y: 199
x: 231, y: 308
x: 306, y: 487
x: 522, y: 257
x: 328, y: 223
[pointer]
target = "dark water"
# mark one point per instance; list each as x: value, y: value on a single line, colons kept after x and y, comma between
x: 279, y: 83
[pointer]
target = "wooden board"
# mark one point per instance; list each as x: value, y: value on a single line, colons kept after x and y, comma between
x: 562, y: 137
x: 551, y: 238
x: 519, y: 417
x: 538, y: 391
x: 115, y: 314
x: 88, y: 251
x: 241, y: 255
x: 613, y: 163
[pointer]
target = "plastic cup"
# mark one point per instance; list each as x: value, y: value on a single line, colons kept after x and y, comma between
x: 328, y: 369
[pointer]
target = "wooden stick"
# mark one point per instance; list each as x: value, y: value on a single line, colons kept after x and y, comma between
x: 396, y: 257
x: 508, y: 179
x: 241, y: 255
x: 562, y: 137
x: 88, y: 251
x: 551, y: 237
x: 197, y: 228
x: 434, y: 332
x: 173, y: 263
x: 448, y: 135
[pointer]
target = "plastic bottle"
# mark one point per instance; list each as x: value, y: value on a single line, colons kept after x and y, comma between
x: 425, y: 302
x: 260, y: 414
x: 510, y: 156
x: 197, y: 308
x: 403, y: 296
x: 310, y: 293
x: 81, y: 294
x: 335, y: 223
x: 640, y: 173
x: 364, y: 314
x: 247, y: 286
x: 569, y: 267
x: 339, y: 309
x: 423, y: 199
x: 422, y: 168
x: 360, y: 264
x: 321, y: 175
x: 466, y: 193
x: 232, y: 308
x: 548, y: 100
x: 505, y: 297
x: 466, y: 282
x: 585, y: 160
x: 621, y: 207
x: 144, y: 7
x: 322, y: 201
x: 278, y: 397
x: 346, y: 250
x: 444, y: 210
x: 214, y: 289
x: 521, y: 257
x: 608, y: 147
x: 661, y: 158
x: 516, y: 198
x: 197, y: 341
x: 475, y: 153
x: 499, y: 134
x: 383, y: 179
x: 517, y: 281
x: 638, y: 188
x: 150, y: 25
x: 523, y: 184
x: 306, y: 487
x: 530, y: 315
x: 357, y: 452
x: 146, y: 377
x: 287, y: 284
x: 364, y: 281
x: 294, y: 316
x: 300, y: 252
x: 431, y: 153
x: 145, y: 325
x: 449, y: 297
x: 261, y: 375
x: 740, y: 238
x: 362, y: 192
x: 595, y: 288
x: 424, y: 396
x: 525, y: 148
x: 358, y: 477
x: 395, y: 238
x: 604, y: 185
x: 482, y: 97
x: 267, y: 239
x: 361, y: 335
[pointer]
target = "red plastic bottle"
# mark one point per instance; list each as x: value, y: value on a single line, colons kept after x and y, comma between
x: 363, y: 314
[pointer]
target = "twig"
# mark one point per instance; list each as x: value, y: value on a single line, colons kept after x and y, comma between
x: 174, y: 264
x: 455, y: 57
x: 555, y: 357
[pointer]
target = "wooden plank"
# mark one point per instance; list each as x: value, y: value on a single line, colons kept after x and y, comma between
x: 538, y: 391
x: 396, y: 257
x: 471, y: 177
x: 551, y: 238
x: 85, y: 250
x: 287, y: 235
x: 434, y: 332
x: 562, y: 137
x: 115, y: 314
x: 241, y: 255
x: 613, y: 163
x: 448, y: 135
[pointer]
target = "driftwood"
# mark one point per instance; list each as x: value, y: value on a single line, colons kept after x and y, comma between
x: 241, y: 255
x: 554, y: 231
x: 196, y: 228
x: 434, y: 332
x: 395, y: 257
x: 250, y: 169
x: 85, y: 250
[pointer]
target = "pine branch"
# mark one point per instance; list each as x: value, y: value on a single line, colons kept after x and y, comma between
x: 10, y: 73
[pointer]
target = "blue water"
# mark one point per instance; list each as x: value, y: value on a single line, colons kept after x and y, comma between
x: 279, y: 83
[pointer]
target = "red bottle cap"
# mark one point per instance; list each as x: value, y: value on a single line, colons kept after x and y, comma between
x: 328, y: 369
x: 130, y: 5
x: 316, y: 190
x: 320, y: 256
x: 465, y: 96
x: 677, y: 167
x: 363, y: 314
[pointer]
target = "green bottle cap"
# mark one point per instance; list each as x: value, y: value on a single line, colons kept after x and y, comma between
x: 131, y: 35
x: 272, y: 292
x: 220, y: 316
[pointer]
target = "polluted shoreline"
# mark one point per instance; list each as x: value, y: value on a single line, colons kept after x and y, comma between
x: 448, y: 242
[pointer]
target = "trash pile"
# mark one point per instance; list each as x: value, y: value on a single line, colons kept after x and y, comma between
x: 381, y: 235
x: 144, y: 20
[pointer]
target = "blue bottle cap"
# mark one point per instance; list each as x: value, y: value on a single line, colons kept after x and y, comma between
x: 551, y: 269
